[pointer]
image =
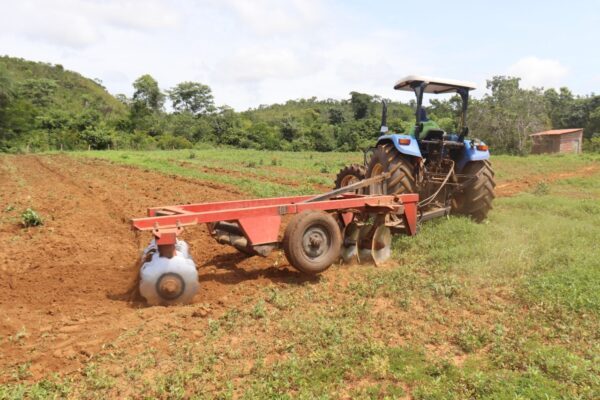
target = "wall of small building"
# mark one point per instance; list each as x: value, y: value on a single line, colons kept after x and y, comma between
x: 570, y: 143
x: 541, y: 145
x: 567, y: 143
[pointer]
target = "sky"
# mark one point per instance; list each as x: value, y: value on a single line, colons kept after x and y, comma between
x: 257, y: 52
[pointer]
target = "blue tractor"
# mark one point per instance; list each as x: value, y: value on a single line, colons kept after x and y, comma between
x: 451, y: 174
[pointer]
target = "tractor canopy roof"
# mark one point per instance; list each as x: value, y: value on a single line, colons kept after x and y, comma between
x: 434, y: 85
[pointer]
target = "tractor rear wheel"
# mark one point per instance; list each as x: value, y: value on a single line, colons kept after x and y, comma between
x: 387, y: 159
x: 350, y: 174
x: 476, y: 200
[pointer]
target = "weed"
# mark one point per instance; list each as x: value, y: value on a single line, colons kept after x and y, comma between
x: 259, y: 310
x: 97, y: 379
x: 18, y: 336
x: 9, y: 208
x: 214, y: 326
x: 22, y: 371
x: 230, y: 319
x: 541, y: 189
x: 53, y: 388
x: 278, y: 299
x: 470, y: 338
x: 31, y: 218
x: 447, y: 287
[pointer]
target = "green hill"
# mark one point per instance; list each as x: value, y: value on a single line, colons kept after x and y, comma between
x: 43, y: 105
x: 68, y: 89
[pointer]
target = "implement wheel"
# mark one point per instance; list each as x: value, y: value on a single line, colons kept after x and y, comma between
x: 387, y: 159
x: 312, y: 241
x: 476, y: 200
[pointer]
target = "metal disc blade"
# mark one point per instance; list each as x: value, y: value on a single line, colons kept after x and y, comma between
x: 381, y: 249
x: 167, y: 281
x: 365, y: 244
x: 349, y: 250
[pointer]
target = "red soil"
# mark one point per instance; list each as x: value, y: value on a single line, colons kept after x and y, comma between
x: 64, y: 285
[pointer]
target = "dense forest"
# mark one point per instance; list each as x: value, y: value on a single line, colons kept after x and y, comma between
x: 45, y: 107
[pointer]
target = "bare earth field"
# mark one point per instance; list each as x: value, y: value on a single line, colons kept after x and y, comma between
x: 67, y: 284
x: 69, y: 326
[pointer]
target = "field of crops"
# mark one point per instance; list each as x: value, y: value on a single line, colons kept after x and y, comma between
x: 506, y: 309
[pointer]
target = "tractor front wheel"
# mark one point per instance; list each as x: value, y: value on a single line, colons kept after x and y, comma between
x: 350, y: 174
x: 476, y: 199
x: 387, y: 159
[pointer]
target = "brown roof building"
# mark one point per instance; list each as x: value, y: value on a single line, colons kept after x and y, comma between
x: 557, y: 141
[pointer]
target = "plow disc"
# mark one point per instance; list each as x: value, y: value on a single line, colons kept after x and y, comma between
x: 167, y: 281
x: 374, y: 244
x: 349, y: 252
x: 381, y: 247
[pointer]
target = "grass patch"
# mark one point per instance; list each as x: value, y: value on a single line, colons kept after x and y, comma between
x: 287, y: 173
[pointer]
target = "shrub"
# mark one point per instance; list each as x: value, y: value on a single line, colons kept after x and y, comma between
x: 168, y: 142
x: 592, y: 145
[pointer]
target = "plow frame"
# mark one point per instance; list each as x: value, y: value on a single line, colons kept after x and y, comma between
x: 260, y: 219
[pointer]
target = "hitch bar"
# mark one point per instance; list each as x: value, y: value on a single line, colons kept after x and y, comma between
x: 349, y: 188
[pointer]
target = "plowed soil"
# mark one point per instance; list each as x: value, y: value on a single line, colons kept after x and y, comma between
x: 64, y: 286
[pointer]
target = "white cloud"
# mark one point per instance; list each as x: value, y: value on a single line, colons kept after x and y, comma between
x: 256, y: 63
x: 136, y: 14
x: 296, y: 68
x: 538, y: 72
x: 78, y: 24
x: 268, y: 17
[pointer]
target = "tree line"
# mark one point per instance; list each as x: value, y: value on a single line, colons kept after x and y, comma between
x: 53, y: 110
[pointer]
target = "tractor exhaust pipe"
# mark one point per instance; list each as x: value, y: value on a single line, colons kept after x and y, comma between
x: 384, y: 129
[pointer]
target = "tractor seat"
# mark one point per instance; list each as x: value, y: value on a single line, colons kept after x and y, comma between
x: 434, y: 134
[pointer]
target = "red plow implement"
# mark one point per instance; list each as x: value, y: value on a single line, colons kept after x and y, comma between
x: 320, y: 231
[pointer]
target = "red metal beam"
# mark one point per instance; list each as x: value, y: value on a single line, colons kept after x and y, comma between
x: 235, y: 204
x: 277, y: 206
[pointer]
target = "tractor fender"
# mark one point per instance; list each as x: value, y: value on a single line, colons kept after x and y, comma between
x: 470, y: 153
x: 411, y: 149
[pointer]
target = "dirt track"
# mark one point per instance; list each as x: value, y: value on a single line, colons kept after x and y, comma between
x: 63, y: 286
x: 513, y: 187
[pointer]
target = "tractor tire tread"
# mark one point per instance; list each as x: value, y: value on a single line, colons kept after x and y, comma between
x: 402, y: 179
x: 476, y: 201
x: 355, y: 170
